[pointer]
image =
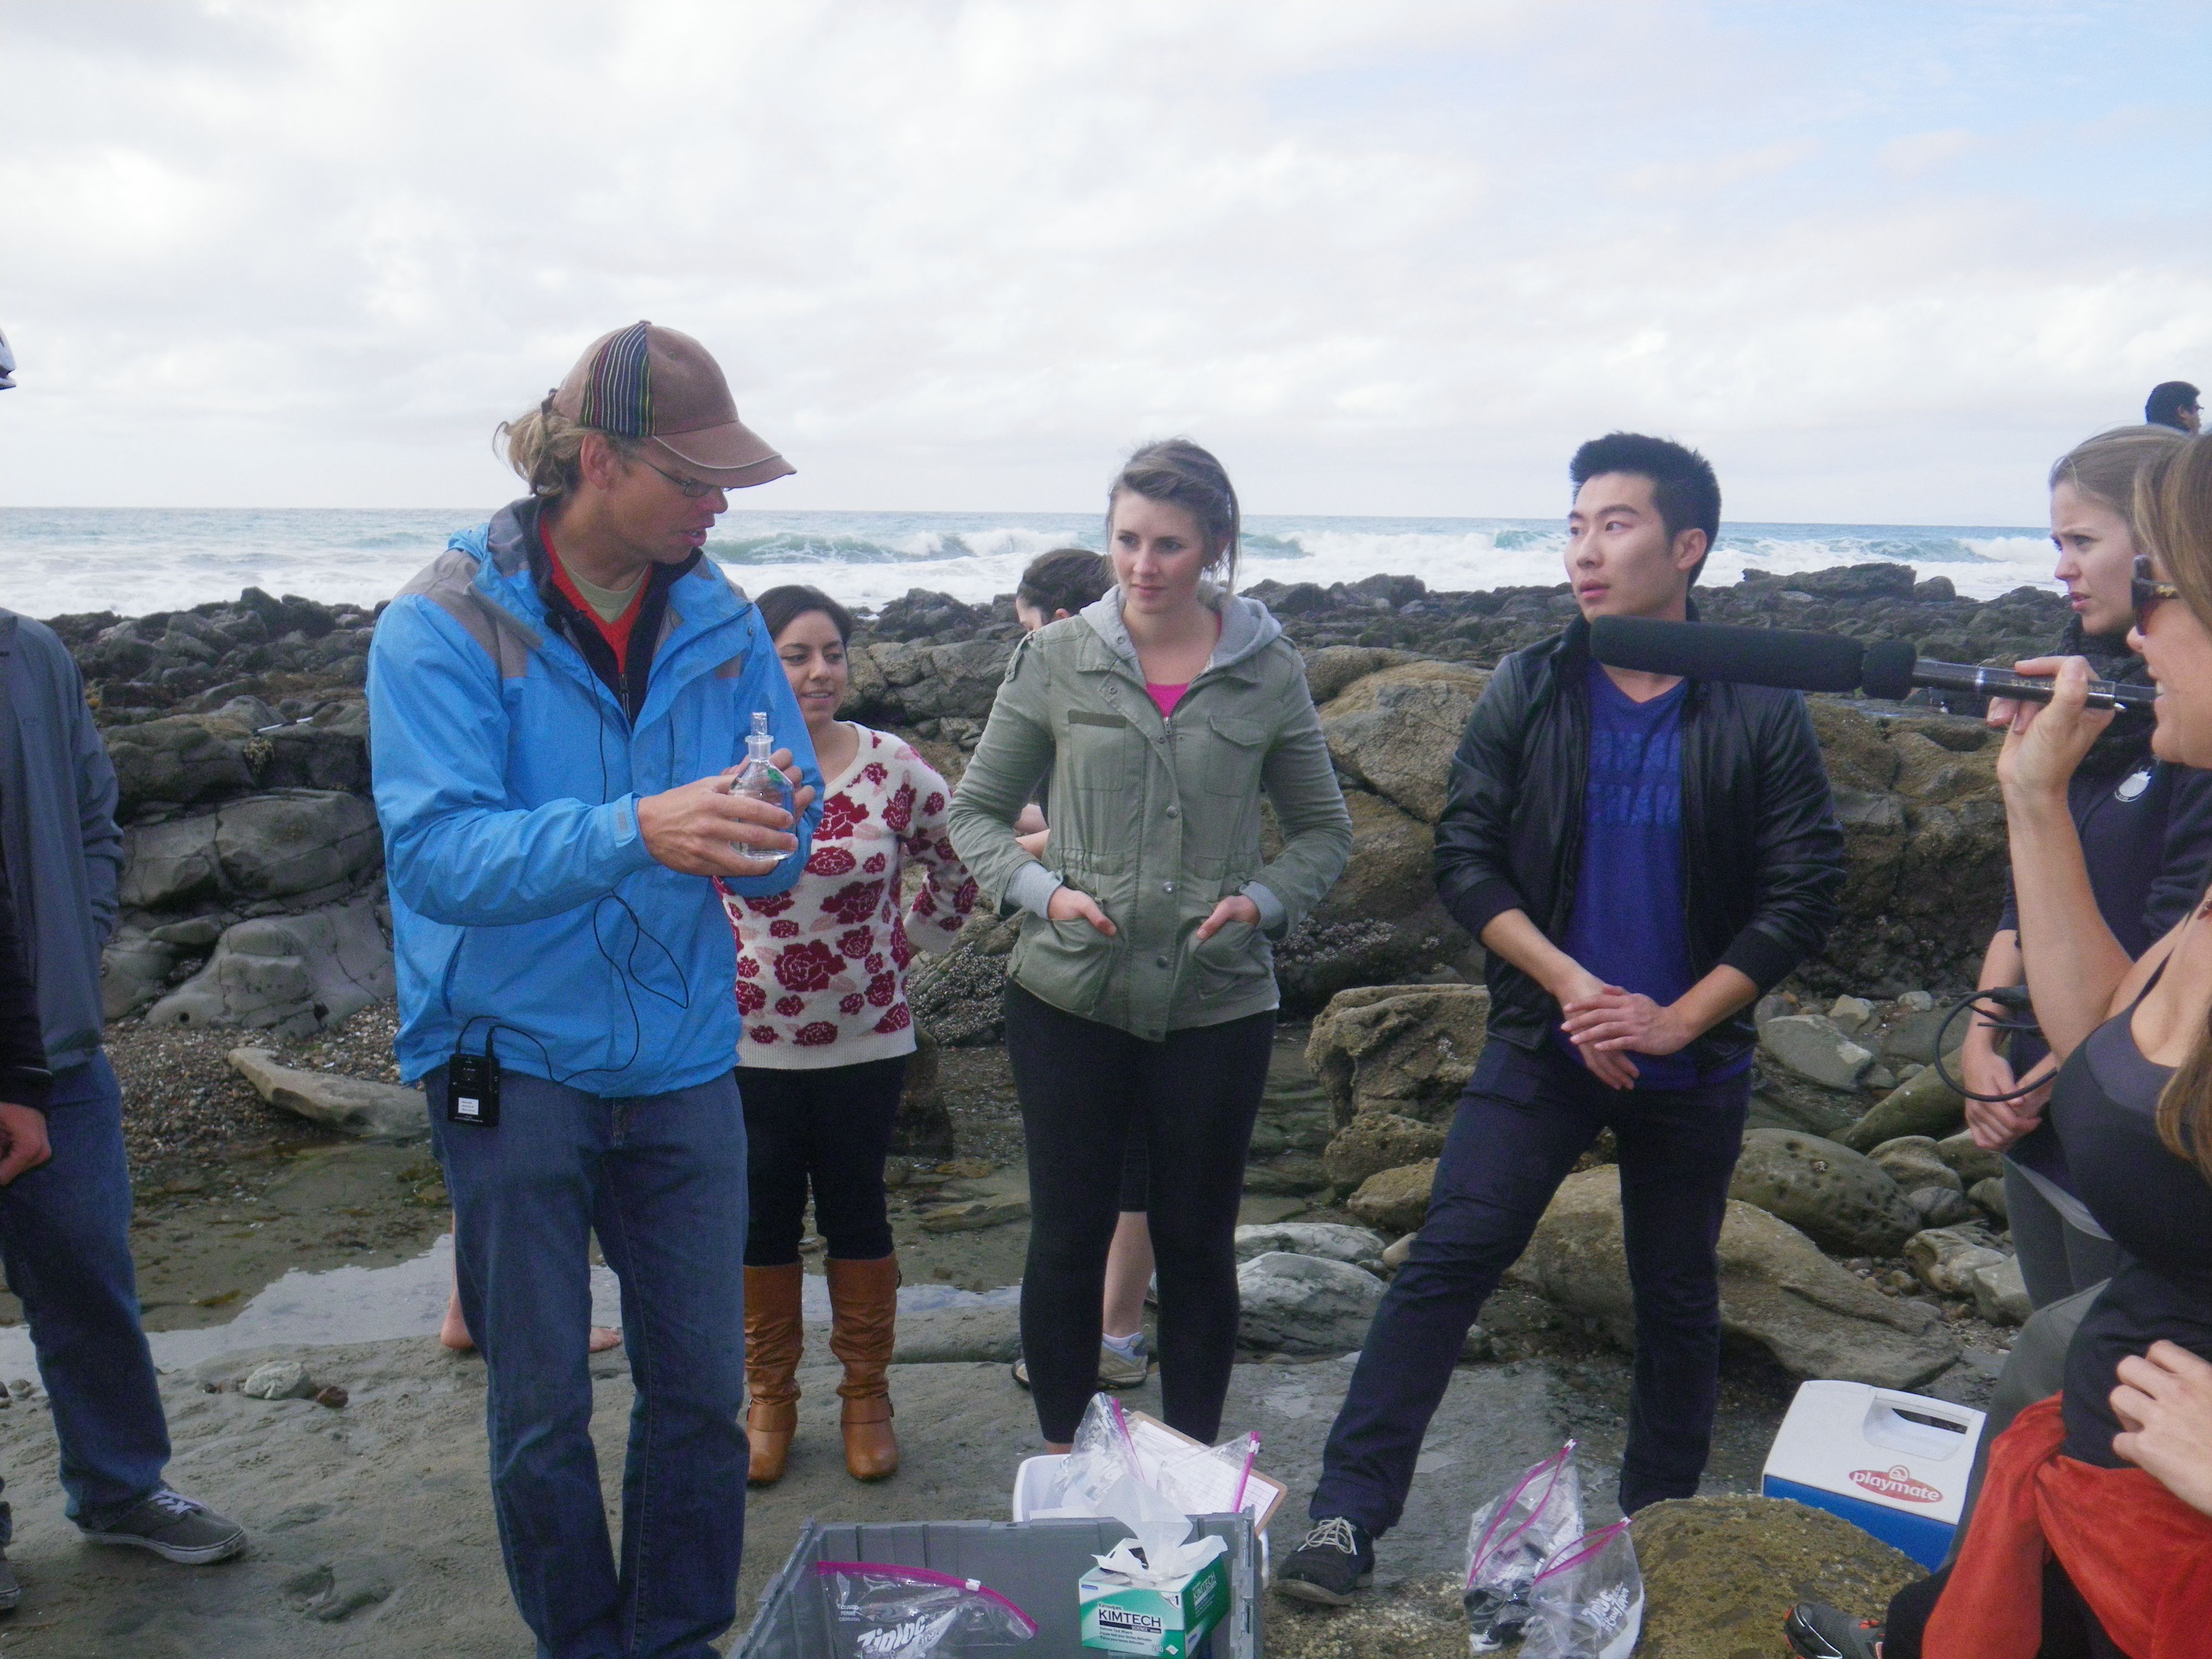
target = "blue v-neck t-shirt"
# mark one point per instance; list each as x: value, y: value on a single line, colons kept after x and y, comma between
x: 1627, y: 924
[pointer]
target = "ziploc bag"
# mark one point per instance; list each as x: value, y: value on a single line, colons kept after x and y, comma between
x: 881, y: 1611
x: 1510, y: 1540
x: 1587, y: 1602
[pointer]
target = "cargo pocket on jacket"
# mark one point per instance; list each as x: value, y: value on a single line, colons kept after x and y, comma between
x: 1065, y: 963
x: 1233, y: 961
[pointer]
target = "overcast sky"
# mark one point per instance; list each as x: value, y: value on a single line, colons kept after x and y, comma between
x: 1883, y: 260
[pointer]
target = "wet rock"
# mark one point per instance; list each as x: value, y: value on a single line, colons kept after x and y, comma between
x: 179, y: 760
x: 1720, y: 1572
x: 1922, y: 1105
x: 959, y: 998
x: 134, y: 970
x: 278, y: 1379
x: 1814, y: 1047
x: 1354, y: 1246
x: 1406, y: 1050
x: 922, y: 682
x: 1946, y: 1260
x: 974, y: 1214
x: 168, y: 865
x: 1782, y: 1100
x: 1843, y: 1201
x: 1776, y: 1288
x: 1391, y: 730
x: 1913, y: 1161
x: 1969, y: 1162
x: 953, y: 1336
x: 1396, y: 1200
x: 1333, y: 667
x: 379, y: 1111
x: 1852, y: 1015
x: 1290, y: 1174
x: 276, y: 846
x: 1375, y: 1141
x: 332, y: 1395
x: 923, y: 1126
x: 1305, y: 1304
x: 295, y: 974
x: 2000, y: 1293
x: 1988, y: 1197
x: 1940, y: 1206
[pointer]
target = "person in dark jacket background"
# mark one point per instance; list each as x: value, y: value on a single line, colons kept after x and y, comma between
x: 66, y: 1219
x: 1642, y: 856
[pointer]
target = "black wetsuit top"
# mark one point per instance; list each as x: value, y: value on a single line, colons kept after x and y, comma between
x: 2158, y: 1208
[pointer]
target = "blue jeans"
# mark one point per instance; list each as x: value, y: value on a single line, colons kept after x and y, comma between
x: 1522, y: 1122
x: 662, y: 1180
x: 65, y: 1243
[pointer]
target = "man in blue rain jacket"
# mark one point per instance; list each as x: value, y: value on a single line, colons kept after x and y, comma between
x: 555, y: 705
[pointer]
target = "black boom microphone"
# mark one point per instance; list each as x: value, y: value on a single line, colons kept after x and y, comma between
x: 1797, y: 661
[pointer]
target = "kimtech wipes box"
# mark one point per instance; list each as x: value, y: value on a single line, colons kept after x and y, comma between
x: 1125, y: 1611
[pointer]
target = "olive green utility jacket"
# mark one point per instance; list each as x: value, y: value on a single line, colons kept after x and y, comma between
x: 1156, y: 818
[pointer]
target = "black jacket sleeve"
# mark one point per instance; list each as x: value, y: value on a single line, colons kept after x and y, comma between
x: 24, y: 1077
x: 1474, y: 877
x: 1800, y: 879
x: 2185, y: 869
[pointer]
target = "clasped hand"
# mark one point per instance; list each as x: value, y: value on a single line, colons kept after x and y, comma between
x: 1606, y: 1022
x: 697, y: 828
x: 2045, y: 742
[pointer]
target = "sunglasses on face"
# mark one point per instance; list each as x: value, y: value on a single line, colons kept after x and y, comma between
x: 692, y: 489
x: 2146, y: 591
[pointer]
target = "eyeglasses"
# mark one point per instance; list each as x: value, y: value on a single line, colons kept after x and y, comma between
x: 692, y: 489
x: 2146, y: 591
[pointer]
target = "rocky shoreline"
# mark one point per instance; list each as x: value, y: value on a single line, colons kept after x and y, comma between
x: 1866, y: 1238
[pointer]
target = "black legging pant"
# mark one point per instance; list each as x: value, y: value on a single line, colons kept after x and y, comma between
x: 828, y: 1130
x: 1083, y: 1088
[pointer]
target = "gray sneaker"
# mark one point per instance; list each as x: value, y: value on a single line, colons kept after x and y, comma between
x: 1113, y: 1371
x: 174, y: 1528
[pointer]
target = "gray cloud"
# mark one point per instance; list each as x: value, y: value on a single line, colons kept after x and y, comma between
x: 1390, y: 258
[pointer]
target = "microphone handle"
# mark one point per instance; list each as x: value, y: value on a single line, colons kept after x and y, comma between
x: 2003, y: 683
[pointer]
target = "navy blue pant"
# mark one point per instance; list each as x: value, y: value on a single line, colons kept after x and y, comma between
x: 65, y: 1239
x: 661, y: 1179
x: 823, y: 1130
x: 1522, y: 1122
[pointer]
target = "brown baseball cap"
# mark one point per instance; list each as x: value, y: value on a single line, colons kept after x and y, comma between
x: 646, y: 381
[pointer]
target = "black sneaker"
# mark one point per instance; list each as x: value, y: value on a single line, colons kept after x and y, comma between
x: 174, y: 1526
x: 1337, y: 1557
x: 1817, y: 1630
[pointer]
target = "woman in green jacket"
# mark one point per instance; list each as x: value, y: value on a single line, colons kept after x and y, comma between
x: 1141, y: 995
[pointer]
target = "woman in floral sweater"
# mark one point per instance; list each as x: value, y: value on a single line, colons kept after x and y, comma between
x: 822, y: 992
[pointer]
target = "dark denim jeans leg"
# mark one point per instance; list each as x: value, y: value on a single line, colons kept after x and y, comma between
x: 1522, y: 1124
x: 663, y: 1181
x: 65, y: 1240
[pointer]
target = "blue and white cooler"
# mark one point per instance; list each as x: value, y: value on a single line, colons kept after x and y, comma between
x: 1895, y: 1465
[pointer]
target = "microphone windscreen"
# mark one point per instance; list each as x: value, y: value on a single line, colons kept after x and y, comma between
x: 1889, y: 665
x: 1711, y: 651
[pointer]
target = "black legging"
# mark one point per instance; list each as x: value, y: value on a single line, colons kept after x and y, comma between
x: 2070, y: 1631
x: 1083, y: 1085
x: 828, y: 1130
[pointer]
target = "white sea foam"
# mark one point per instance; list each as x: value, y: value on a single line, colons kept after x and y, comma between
x: 53, y: 560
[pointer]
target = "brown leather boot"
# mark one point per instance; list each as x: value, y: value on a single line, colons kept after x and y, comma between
x: 774, y: 1336
x: 864, y: 1323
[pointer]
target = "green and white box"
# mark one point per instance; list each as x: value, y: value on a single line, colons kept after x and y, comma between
x: 1171, y: 1621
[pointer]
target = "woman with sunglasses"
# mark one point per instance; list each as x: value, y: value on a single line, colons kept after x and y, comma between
x: 2085, y: 1536
x: 2146, y: 831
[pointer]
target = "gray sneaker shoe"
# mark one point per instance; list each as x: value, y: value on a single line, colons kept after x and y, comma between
x: 1113, y: 1371
x: 174, y: 1528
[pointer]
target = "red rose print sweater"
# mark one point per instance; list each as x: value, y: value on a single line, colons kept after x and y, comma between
x: 821, y: 967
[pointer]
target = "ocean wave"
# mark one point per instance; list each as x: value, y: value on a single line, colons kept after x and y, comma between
x: 132, y: 561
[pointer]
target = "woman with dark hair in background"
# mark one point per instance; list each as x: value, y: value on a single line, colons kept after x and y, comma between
x: 2070, y: 1549
x: 1140, y: 998
x: 822, y: 992
x: 2146, y: 831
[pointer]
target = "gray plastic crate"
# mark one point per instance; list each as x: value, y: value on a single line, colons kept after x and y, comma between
x: 1034, y: 1564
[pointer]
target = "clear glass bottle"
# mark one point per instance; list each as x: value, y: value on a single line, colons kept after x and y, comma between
x: 759, y: 776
